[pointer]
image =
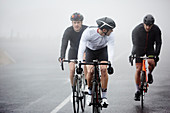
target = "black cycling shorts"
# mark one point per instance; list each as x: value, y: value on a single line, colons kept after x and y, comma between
x: 139, y: 60
x: 100, y: 55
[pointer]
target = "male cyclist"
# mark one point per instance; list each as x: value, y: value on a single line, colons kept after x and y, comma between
x: 72, y: 34
x: 146, y: 39
x: 95, y: 41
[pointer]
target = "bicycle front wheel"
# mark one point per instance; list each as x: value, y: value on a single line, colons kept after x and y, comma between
x: 75, y: 95
x: 82, y: 94
x: 96, y: 108
x: 143, y: 79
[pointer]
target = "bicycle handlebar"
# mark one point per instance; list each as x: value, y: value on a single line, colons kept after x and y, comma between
x: 62, y: 66
x: 95, y: 63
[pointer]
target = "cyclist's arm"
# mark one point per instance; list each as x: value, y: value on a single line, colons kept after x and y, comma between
x: 111, y: 48
x: 82, y: 45
x: 134, y: 37
x: 158, y: 42
x: 64, y: 44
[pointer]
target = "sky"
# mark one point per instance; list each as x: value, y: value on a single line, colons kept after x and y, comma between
x: 49, y: 18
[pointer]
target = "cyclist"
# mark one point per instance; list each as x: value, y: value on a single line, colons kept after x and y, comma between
x: 146, y: 39
x: 72, y: 34
x: 95, y: 40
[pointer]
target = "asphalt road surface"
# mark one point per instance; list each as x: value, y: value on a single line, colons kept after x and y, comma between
x: 31, y: 81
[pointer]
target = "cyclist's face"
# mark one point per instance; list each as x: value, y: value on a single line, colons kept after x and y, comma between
x: 77, y: 25
x: 109, y: 32
x: 147, y: 27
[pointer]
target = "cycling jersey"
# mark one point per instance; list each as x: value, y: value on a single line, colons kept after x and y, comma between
x: 143, y: 42
x: 94, y: 41
x: 74, y: 38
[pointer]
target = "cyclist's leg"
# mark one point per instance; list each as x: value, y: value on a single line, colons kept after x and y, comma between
x: 137, y: 78
x: 72, y: 71
x: 151, y: 66
x: 89, y: 77
x: 85, y: 68
x: 137, y: 75
x: 104, y: 78
x: 89, y: 83
x: 90, y: 56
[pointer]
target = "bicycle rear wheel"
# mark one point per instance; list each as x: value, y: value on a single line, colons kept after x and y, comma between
x: 75, y: 95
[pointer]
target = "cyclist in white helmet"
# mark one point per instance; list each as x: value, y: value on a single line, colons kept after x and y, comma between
x: 96, y: 41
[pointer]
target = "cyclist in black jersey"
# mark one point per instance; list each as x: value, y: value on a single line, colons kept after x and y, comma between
x: 146, y: 39
x: 72, y: 34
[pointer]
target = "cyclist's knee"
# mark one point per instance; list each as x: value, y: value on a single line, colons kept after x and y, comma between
x: 104, y: 71
x: 138, y: 67
x: 151, y: 62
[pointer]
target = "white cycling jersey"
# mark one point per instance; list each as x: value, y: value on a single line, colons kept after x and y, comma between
x: 94, y: 41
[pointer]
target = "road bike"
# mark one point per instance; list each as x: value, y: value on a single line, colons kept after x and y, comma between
x: 143, y: 77
x: 96, y: 84
x: 79, y: 97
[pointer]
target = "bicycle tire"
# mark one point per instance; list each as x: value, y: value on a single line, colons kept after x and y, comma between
x: 143, y: 79
x: 95, y: 99
x: 83, y: 98
x: 75, y: 95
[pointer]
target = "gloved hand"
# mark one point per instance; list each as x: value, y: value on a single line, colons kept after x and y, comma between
x: 156, y: 58
x: 131, y: 57
x: 60, y: 59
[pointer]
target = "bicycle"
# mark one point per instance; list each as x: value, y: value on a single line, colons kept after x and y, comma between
x: 78, y: 88
x: 143, y: 77
x: 96, y: 85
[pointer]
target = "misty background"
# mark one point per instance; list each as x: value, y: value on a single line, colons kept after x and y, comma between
x: 49, y: 18
x: 31, y: 78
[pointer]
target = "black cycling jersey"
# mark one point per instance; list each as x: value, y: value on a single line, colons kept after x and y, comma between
x: 74, y: 38
x: 143, y: 42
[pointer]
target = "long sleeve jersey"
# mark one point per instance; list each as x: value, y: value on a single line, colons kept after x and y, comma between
x: 94, y: 41
x: 143, y: 42
x: 73, y: 37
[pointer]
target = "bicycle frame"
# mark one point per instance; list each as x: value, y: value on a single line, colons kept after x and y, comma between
x: 96, y: 86
x: 144, y: 80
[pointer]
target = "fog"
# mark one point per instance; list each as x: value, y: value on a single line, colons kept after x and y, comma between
x: 47, y: 19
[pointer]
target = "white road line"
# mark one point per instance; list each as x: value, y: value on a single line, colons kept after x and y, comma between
x: 9, y: 57
x: 68, y: 98
x: 61, y: 105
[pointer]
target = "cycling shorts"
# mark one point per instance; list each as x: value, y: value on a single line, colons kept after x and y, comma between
x: 72, y: 54
x: 139, y: 60
x: 100, y: 55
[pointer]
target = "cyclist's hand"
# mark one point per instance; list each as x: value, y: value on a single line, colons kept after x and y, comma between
x: 156, y: 58
x: 60, y: 59
x: 130, y: 58
x: 110, y: 70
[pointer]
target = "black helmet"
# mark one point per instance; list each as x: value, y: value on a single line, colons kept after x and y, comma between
x: 148, y: 20
x: 76, y: 17
x: 106, y: 23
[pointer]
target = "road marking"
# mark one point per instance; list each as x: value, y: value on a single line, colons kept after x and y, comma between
x: 68, y: 98
x: 61, y: 105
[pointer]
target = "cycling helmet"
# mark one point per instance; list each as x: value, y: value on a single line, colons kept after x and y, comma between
x: 76, y: 17
x: 148, y: 20
x: 105, y: 23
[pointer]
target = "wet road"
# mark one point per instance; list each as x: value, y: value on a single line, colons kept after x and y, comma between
x: 34, y: 82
